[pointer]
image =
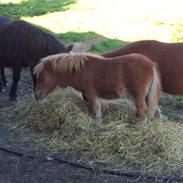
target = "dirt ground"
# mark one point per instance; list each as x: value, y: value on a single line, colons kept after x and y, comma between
x: 16, y: 169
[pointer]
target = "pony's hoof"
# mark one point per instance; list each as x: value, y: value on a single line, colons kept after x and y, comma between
x: 14, y: 98
x: 99, y: 117
x: 141, y: 120
x: 99, y: 120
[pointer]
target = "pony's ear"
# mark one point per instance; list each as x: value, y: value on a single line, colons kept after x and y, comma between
x: 69, y: 48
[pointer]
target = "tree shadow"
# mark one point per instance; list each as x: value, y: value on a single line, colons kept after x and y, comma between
x: 97, y: 43
x: 34, y: 7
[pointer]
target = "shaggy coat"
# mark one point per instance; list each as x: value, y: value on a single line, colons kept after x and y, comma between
x: 23, y: 45
x: 98, y: 77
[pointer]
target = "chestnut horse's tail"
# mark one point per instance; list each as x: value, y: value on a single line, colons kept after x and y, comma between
x: 154, y: 92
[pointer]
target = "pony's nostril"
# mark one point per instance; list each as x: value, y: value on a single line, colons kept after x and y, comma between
x: 39, y: 95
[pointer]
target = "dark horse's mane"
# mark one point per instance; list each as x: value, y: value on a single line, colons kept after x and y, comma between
x: 4, y: 21
x: 23, y: 45
x: 26, y: 44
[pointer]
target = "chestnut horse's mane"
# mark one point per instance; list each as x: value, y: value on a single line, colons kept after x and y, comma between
x: 64, y: 62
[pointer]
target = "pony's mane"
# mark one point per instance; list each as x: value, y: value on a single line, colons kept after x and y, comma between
x: 65, y: 62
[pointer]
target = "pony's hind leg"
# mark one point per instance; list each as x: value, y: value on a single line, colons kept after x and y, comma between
x: 95, y: 106
x: 16, y: 78
x: 141, y: 107
x: 157, y: 114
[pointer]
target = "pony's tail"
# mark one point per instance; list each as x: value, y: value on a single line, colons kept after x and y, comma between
x: 154, y: 92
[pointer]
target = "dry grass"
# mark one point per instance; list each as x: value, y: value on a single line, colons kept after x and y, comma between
x: 68, y: 126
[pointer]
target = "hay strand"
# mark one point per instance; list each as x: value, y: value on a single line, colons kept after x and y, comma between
x: 69, y: 126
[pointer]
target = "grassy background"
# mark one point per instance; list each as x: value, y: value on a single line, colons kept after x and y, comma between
x: 84, y: 19
x: 118, y: 21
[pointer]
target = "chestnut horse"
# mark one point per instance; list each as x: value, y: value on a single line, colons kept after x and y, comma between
x: 168, y: 56
x: 98, y: 77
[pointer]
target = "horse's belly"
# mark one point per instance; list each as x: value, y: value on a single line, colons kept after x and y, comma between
x: 172, y: 82
x: 174, y: 87
x: 112, y: 95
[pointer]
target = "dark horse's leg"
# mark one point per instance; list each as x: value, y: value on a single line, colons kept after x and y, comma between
x: 16, y: 77
x: 33, y: 77
x: 3, y: 76
x: 1, y: 82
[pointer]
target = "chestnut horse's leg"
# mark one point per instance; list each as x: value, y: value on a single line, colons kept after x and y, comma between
x: 33, y: 77
x: 16, y: 77
x: 141, y: 106
x: 96, y: 106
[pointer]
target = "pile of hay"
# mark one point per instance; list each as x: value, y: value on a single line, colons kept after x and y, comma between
x: 69, y: 126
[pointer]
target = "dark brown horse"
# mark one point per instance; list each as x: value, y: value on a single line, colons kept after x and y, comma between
x: 3, y: 22
x: 168, y: 56
x: 98, y: 77
x: 23, y: 45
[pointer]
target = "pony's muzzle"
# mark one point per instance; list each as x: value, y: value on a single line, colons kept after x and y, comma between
x: 39, y: 95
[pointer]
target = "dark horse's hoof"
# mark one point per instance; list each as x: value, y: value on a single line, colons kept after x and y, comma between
x: 5, y: 84
x: 14, y: 98
x: 1, y: 90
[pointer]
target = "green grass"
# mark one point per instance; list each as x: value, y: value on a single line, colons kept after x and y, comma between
x: 107, y: 45
x: 117, y: 20
x: 121, y: 20
x: 70, y: 37
x: 172, y: 107
x: 33, y: 7
x: 172, y: 101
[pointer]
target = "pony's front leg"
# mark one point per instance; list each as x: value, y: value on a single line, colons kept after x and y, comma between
x: 95, y: 106
x: 141, y: 106
x: 16, y: 78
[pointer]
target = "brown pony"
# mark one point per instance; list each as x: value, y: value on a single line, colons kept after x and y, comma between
x: 168, y: 56
x: 98, y: 77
